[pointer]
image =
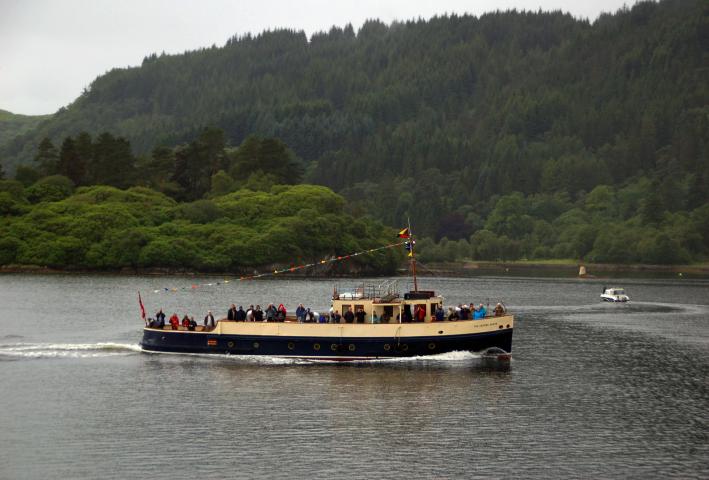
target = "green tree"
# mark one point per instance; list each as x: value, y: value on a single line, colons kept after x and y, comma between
x: 222, y: 184
x: 653, y: 208
x: 268, y: 156
x: 71, y: 163
x: 26, y: 175
x: 47, y: 157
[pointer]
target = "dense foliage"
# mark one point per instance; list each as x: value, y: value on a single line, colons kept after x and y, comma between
x: 12, y: 124
x: 446, y: 121
x: 101, y: 227
x: 626, y: 225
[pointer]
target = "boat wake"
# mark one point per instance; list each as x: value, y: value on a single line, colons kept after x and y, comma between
x: 445, y: 358
x: 456, y: 356
x: 16, y: 351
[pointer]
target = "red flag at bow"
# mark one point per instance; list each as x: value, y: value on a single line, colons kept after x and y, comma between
x: 404, y: 233
x: 142, y: 308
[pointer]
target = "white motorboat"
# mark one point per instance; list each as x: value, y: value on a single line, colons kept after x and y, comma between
x: 614, y: 294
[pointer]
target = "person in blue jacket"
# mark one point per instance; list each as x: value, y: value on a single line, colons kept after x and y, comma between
x: 300, y: 313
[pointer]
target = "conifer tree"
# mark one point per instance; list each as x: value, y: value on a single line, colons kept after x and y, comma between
x: 47, y: 157
x: 71, y: 164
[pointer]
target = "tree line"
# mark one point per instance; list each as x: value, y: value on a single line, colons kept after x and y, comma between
x: 203, y: 166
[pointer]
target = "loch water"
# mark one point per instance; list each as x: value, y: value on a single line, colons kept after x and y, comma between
x: 594, y: 390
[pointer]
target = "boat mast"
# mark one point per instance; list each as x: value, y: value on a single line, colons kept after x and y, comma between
x: 413, y: 255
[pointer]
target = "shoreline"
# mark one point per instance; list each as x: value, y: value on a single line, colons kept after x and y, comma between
x: 565, y: 268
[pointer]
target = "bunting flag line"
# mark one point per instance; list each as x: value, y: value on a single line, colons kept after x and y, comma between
x: 294, y: 268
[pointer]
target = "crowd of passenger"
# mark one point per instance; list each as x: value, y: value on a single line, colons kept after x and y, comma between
x: 307, y: 315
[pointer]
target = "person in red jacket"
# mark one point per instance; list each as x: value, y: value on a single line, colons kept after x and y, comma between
x: 174, y: 321
x: 420, y: 313
x: 186, y: 321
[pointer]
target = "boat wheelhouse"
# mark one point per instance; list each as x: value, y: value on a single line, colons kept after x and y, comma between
x: 384, y: 304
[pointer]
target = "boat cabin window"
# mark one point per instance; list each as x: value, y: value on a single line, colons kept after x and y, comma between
x: 619, y: 292
x: 345, y: 308
x: 358, y: 308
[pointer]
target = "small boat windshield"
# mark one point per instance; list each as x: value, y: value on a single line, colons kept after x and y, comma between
x: 619, y: 291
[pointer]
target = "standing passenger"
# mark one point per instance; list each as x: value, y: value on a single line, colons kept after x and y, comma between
x: 270, y: 313
x: 300, y: 313
x: 174, y: 321
x: 160, y: 319
x: 420, y: 313
x: 209, y: 319
x: 231, y: 313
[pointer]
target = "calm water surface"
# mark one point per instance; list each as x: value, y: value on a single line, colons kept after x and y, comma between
x: 594, y: 390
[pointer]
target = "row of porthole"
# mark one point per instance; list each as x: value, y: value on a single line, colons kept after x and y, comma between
x: 351, y: 347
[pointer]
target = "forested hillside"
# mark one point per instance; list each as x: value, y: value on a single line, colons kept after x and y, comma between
x: 601, y: 125
x: 12, y: 125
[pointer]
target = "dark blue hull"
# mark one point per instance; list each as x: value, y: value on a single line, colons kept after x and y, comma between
x: 324, y: 348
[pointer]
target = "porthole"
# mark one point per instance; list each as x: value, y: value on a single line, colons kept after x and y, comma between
x: 387, y: 347
x: 508, y: 325
x: 431, y: 346
x: 291, y: 345
x: 440, y: 332
x: 333, y: 347
x: 501, y: 326
x: 256, y: 345
x: 316, y: 346
x: 404, y: 347
x: 351, y: 347
x: 230, y: 344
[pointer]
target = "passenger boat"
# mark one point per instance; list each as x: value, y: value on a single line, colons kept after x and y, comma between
x: 398, y: 336
x: 614, y: 294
